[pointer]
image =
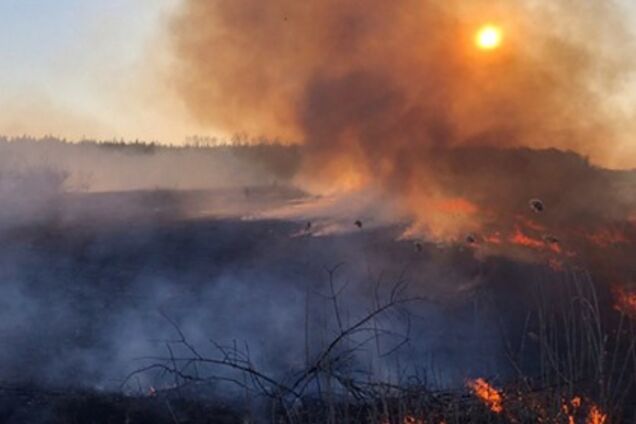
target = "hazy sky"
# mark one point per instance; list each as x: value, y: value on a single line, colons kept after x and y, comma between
x: 77, y: 67
x: 85, y: 67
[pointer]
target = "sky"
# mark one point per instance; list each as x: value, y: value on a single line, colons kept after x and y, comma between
x: 78, y: 68
x: 90, y: 68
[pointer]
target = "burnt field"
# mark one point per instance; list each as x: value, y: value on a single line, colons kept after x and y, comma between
x: 76, y: 284
x: 122, y: 306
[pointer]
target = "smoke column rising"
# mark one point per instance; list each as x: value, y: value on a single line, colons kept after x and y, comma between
x: 382, y: 93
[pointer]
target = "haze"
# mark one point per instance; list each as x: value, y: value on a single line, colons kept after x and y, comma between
x: 93, y: 69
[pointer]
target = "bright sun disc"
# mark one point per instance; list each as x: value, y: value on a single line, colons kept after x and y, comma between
x: 488, y: 37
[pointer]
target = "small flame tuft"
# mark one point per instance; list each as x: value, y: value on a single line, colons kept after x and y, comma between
x: 596, y: 416
x: 488, y: 394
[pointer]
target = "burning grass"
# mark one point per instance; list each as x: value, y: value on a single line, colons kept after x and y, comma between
x: 572, y: 361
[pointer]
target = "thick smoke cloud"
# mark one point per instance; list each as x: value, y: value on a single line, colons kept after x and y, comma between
x: 383, y: 93
x: 368, y: 82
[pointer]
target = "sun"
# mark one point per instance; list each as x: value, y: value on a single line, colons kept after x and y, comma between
x: 488, y: 37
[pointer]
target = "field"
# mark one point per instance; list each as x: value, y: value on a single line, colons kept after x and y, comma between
x: 218, y: 304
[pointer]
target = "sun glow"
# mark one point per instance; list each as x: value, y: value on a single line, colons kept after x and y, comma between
x: 488, y: 37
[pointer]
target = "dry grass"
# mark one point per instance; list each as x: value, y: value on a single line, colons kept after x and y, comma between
x: 574, y: 361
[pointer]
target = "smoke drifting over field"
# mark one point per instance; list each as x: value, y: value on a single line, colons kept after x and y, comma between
x: 91, y: 280
x: 89, y: 274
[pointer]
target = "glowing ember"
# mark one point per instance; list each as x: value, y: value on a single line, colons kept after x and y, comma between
x: 556, y: 265
x: 625, y: 301
x: 488, y: 394
x: 493, y: 238
x: 530, y: 224
x: 488, y: 37
x: 607, y: 237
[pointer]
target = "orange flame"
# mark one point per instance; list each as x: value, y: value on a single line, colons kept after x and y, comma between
x: 530, y: 224
x: 555, y: 247
x: 456, y: 206
x: 596, y: 416
x: 570, y: 408
x: 521, y: 239
x: 488, y: 394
